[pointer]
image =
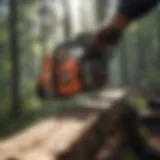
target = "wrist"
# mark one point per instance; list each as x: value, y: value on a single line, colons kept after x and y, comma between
x: 111, y: 33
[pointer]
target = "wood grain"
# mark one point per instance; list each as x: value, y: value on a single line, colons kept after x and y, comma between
x: 71, y: 136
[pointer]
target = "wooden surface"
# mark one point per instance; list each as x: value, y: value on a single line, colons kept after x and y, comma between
x: 74, y: 135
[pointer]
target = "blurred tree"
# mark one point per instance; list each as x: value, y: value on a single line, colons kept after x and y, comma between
x: 47, y: 23
x: 101, y: 9
x: 158, y: 34
x: 5, y: 65
x: 15, y: 58
x: 29, y: 49
x: 124, y: 62
x: 67, y: 20
x: 141, y: 69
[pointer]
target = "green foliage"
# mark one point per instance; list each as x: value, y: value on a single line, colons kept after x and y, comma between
x: 154, y: 78
x: 140, y: 51
x: 139, y: 102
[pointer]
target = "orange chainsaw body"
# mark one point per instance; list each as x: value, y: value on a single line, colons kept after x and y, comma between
x: 67, y: 75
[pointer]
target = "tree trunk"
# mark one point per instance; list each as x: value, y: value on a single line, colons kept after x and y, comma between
x: 16, y: 108
x: 101, y: 9
x: 158, y: 33
x: 67, y: 20
x: 142, y: 56
x: 124, y: 64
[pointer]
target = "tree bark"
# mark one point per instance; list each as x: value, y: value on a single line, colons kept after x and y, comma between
x: 142, y: 57
x: 101, y: 8
x: 158, y: 33
x: 124, y: 63
x: 67, y: 20
x: 14, y: 50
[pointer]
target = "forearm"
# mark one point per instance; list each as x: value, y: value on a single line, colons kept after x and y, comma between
x: 126, y: 12
x: 110, y: 33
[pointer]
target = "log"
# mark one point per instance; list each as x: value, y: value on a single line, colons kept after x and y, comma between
x: 75, y: 135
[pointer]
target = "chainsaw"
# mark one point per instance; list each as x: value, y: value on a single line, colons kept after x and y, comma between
x: 66, y: 72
